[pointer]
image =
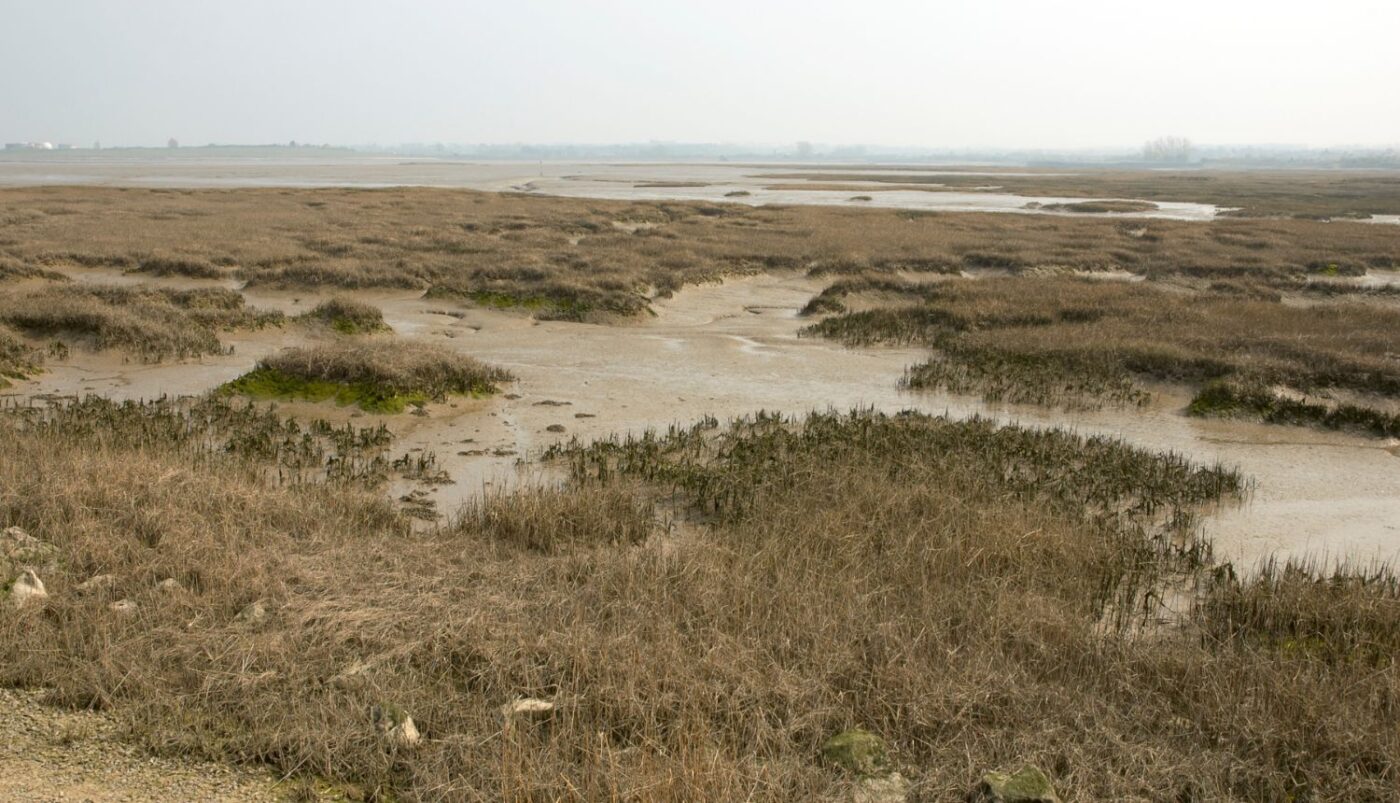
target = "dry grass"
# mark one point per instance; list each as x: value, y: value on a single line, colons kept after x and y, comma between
x: 550, y: 520
x: 192, y: 268
x: 348, y: 317
x: 15, y: 270
x: 377, y: 375
x: 152, y: 323
x: 17, y: 358
x: 941, y: 584
x: 561, y: 257
x: 1254, y: 400
x: 976, y: 595
x: 1067, y: 340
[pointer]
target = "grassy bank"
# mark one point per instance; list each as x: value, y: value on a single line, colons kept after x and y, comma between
x: 377, y: 376
x: 348, y: 317
x: 1316, y: 194
x: 582, y: 259
x: 1233, y: 400
x: 17, y: 358
x: 151, y: 323
x: 965, y: 592
x: 1067, y: 340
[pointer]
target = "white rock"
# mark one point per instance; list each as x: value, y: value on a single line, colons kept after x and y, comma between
x: 396, y: 726
x: 124, y: 607
x: 527, y: 709
x: 405, y: 734
x: 27, y: 589
x: 21, y: 547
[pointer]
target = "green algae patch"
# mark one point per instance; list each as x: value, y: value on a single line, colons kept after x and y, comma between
x: 376, y: 376
x: 269, y: 383
x: 349, y: 317
x: 856, y: 751
x: 1026, y: 785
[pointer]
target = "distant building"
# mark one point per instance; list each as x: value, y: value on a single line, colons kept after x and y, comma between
x: 29, y: 146
x: 172, y: 143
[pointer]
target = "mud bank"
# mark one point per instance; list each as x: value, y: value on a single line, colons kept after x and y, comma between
x: 715, y: 183
x: 730, y: 349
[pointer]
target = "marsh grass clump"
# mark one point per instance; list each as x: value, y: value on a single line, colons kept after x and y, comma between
x: 548, y: 300
x: 152, y: 323
x: 14, y: 270
x: 1225, y: 399
x: 348, y: 317
x: 1070, y: 340
x: 377, y: 376
x: 191, y: 268
x: 212, y: 428
x: 18, y: 360
x: 999, y: 375
x: 1299, y: 610
x: 1100, y: 207
x: 719, y: 472
x: 546, y: 520
x: 939, y: 585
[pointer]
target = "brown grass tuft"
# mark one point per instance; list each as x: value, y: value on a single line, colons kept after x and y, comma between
x: 859, y: 571
x: 150, y: 322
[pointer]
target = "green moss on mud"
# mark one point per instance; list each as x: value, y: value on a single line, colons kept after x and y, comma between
x: 269, y: 383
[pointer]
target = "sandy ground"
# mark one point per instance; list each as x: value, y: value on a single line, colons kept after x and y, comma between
x: 51, y: 755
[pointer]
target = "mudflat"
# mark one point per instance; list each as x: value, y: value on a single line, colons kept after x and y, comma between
x: 330, y: 480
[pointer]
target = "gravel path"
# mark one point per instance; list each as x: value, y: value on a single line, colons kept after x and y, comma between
x: 48, y: 754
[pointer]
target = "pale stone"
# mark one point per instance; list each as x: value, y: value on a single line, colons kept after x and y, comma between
x: 27, y: 589
x: 124, y: 607
x: 395, y: 725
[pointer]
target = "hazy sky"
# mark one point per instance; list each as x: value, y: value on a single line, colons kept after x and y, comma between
x: 994, y: 73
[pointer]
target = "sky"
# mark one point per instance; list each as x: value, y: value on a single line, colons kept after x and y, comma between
x: 972, y: 74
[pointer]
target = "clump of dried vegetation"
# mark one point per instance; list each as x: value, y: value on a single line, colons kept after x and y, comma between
x: 379, y: 376
x: 17, y: 358
x: 1098, y: 207
x: 973, y: 594
x: 152, y: 323
x: 348, y: 317
x: 1075, y: 340
x: 212, y: 428
x: 15, y: 270
x: 188, y: 267
x: 1239, y: 400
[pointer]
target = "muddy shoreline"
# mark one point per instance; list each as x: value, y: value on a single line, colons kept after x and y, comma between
x: 732, y: 348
